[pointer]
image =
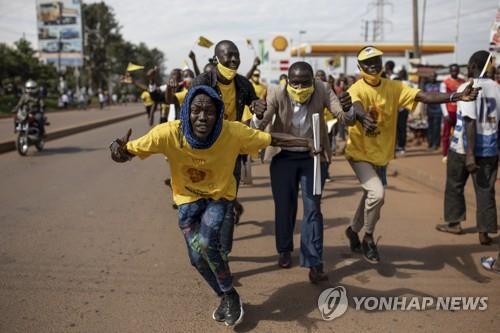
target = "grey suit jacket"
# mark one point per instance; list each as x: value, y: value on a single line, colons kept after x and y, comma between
x: 280, y: 105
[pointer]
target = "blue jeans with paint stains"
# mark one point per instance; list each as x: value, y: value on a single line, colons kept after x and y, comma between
x: 200, y: 223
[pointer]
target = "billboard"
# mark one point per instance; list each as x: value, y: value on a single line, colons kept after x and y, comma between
x: 495, y: 34
x: 60, y: 32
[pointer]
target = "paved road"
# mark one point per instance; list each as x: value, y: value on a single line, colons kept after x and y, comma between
x: 61, y: 120
x: 87, y: 245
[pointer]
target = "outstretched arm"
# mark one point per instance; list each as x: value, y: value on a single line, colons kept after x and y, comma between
x: 128, y: 79
x: 170, y: 92
x: 256, y: 64
x: 118, y: 147
x: 18, y: 105
x: 467, y: 95
x: 192, y: 56
x: 288, y: 140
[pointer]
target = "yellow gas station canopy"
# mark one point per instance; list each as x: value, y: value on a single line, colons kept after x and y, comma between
x: 392, y: 50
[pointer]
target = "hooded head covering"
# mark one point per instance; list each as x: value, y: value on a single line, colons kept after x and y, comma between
x: 187, y: 130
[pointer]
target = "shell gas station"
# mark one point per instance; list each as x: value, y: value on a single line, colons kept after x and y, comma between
x: 337, y: 55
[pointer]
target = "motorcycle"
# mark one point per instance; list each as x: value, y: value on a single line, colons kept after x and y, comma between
x: 29, y: 132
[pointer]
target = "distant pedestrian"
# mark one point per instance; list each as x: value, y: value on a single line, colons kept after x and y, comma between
x: 449, y: 110
x: 102, y: 99
x: 434, y: 115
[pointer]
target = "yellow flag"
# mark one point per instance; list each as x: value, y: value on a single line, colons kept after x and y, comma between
x: 132, y: 67
x: 204, y: 42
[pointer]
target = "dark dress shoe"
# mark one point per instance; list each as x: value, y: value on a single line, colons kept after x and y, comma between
x: 285, y: 260
x: 317, y: 275
x: 484, y: 239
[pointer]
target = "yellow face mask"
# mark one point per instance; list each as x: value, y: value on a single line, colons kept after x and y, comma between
x: 226, y: 72
x: 283, y: 82
x: 300, y: 95
x: 371, y: 79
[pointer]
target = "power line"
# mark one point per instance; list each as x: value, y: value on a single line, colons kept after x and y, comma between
x: 379, y: 23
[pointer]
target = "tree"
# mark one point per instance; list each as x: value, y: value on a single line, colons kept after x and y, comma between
x: 19, y: 64
x: 107, y: 54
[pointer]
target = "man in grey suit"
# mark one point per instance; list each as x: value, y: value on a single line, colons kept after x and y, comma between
x: 292, y: 107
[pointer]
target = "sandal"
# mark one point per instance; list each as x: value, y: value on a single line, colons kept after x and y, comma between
x: 488, y: 263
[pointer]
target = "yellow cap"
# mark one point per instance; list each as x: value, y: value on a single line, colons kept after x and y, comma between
x: 369, y: 52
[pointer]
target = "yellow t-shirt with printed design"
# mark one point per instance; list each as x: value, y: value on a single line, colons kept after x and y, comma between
x: 383, y: 102
x: 228, y: 92
x: 181, y: 95
x: 201, y: 173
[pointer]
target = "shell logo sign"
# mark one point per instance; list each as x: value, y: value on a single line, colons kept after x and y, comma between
x: 280, y: 43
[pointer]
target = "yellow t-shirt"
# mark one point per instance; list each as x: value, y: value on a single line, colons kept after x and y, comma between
x: 383, y: 102
x: 228, y: 92
x: 146, y: 98
x: 181, y: 95
x: 260, y: 90
x: 201, y: 173
x: 328, y: 115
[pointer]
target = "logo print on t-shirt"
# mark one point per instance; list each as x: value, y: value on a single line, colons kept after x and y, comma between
x: 374, y: 113
x: 196, y: 175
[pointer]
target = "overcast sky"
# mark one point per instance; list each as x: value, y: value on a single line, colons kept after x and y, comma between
x: 174, y: 25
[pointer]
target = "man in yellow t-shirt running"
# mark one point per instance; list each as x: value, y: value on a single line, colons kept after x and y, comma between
x: 202, y: 148
x: 371, y: 143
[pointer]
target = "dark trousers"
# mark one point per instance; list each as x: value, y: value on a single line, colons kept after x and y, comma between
x: 40, y: 121
x: 401, y: 130
x: 484, y: 185
x: 288, y: 170
x: 434, y: 132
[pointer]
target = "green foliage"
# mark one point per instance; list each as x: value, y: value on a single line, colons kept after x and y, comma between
x: 107, y: 54
x: 7, y: 103
x: 18, y: 64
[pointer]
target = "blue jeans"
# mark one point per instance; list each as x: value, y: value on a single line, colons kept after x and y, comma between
x: 227, y: 229
x: 288, y: 170
x: 434, y: 132
x: 200, y: 223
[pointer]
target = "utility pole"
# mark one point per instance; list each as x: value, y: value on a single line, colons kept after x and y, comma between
x: 366, y: 30
x: 59, y: 50
x: 380, y: 21
x: 459, y: 5
x: 416, y: 46
x: 301, y: 32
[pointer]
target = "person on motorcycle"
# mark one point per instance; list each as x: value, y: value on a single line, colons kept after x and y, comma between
x: 32, y: 101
